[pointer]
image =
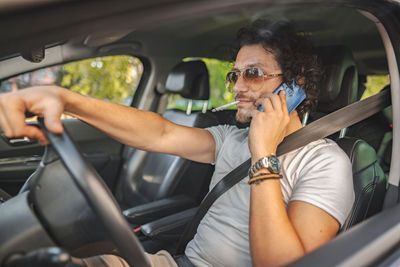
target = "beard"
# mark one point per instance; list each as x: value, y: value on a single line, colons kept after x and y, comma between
x: 243, y: 115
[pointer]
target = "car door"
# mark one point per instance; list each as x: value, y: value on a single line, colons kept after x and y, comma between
x: 113, y: 78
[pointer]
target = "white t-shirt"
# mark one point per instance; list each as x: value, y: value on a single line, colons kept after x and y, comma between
x: 319, y: 173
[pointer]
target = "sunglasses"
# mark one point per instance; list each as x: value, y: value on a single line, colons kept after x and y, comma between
x: 252, y: 76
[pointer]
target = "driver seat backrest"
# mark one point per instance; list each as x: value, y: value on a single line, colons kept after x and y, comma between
x: 339, y: 85
x: 150, y: 176
x: 339, y: 88
x: 368, y: 177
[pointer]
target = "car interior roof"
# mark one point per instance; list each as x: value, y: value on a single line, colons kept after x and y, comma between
x: 211, y: 34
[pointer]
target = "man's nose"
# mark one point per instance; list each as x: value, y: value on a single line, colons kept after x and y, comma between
x: 240, y: 85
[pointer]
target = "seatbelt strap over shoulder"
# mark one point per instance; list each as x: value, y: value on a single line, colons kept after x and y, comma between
x: 318, y: 129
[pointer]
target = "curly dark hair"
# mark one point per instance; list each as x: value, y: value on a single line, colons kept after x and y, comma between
x: 294, y: 54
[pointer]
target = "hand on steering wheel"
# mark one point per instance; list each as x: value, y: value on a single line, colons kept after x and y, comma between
x: 98, y: 197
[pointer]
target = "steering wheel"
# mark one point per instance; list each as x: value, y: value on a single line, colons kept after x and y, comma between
x: 97, y: 195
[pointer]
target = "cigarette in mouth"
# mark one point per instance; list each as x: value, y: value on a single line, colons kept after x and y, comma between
x: 224, y: 106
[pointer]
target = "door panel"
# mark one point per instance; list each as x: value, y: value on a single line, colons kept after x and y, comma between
x: 17, y: 163
x: 112, y: 78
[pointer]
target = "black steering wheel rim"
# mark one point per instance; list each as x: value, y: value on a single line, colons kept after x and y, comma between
x: 96, y: 193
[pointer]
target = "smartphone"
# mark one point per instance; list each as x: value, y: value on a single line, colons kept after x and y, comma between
x: 294, y: 95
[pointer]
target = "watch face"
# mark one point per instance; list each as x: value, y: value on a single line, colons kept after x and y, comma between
x: 274, y: 164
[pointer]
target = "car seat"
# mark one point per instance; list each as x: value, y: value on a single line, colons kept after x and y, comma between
x: 150, y: 176
x: 377, y: 131
x: 368, y: 178
x: 384, y: 151
x: 338, y: 89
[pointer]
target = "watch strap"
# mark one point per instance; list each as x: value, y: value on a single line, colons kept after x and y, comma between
x: 263, y: 162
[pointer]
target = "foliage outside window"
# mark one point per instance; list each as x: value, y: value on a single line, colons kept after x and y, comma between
x: 217, y: 70
x: 112, y: 78
x: 374, y: 84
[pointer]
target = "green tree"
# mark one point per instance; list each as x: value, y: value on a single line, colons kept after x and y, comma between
x: 374, y: 84
x: 217, y: 70
x: 113, y: 78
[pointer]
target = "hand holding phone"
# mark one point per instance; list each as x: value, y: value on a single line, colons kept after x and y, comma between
x: 294, y: 95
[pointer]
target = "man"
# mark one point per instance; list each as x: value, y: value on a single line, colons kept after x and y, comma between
x: 285, y: 212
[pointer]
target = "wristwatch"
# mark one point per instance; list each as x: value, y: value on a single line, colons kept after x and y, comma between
x: 271, y: 163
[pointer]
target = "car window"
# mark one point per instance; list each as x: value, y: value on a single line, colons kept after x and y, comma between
x: 374, y: 84
x: 217, y: 70
x: 112, y: 78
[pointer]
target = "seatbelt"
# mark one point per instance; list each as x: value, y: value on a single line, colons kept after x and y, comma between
x: 318, y: 129
x: 4, y: 196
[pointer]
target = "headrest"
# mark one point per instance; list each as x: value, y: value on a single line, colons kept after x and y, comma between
x: 190, y: 80
x: 339, y: 86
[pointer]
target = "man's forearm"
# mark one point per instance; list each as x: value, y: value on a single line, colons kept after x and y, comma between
x: 273, y: 239
x: 140, y: 129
